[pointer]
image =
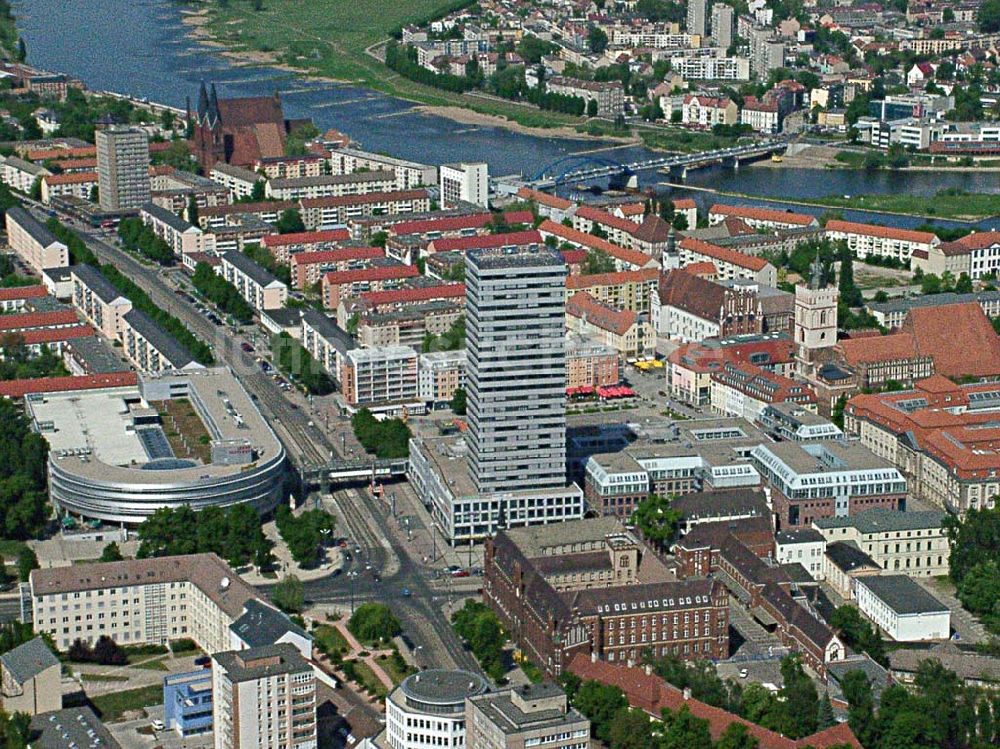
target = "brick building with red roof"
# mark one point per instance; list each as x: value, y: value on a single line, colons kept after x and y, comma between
x: 309, y: 267
x: 729, y: 263
x: 625, y: 258
x: 60, y: 318
x: 283, y: 246
x: 21, y: 388
x: 623, y: 330
x: 347, y: 283
x: 529, y: 238
x: 760, y: 218
x: 627, y: 289
x: 14, y: 298
x: 941, y: 435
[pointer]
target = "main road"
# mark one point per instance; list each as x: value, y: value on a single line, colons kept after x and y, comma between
x: 391, y: 575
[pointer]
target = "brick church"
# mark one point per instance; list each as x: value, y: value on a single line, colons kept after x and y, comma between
x: 238, y: 131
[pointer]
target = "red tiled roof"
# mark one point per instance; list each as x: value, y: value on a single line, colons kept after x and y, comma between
x: 573, y: 236
x: 871, y: 349
x: 653, y: 695
x: 684, y: 204
x: 552, y: 201
x: 71, y: 178
x: 22, y: 292
x: 306, y: 237
x: 463, y: 244
x: 605, y: 219
x: 979, y: 240
x: 698, y: 357
x: 264, y: 206
x: 584, y: 306
x: 612, y: 279
x: 762, y: 214
x: 378, y: 273
x: 50, y: 335
x: 456, y: 223
x: 946, y: 333
x: 723, y: 254
x: 27, y: 320
x: 419, y: 294
x: 20, y: 388
x: 42, y: 154
x: 882, y: 232
x: 76, y: 164
x: 704, y: 268
x: 573, y: 257
x: 340, y: 255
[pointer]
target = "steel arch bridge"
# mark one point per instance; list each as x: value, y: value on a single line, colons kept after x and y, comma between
x: 574, y: 163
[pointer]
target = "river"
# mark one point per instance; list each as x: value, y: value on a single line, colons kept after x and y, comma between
x: 140, y: 47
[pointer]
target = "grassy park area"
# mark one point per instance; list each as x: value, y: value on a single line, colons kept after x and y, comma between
x: 946, y: 204
x: 330, y: 38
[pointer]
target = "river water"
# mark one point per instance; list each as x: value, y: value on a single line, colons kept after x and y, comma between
x: 139, y: 47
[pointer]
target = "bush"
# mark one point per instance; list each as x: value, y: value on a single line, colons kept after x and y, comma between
x: 106, y: 652
x: 389, y: 438
x: 183, y: 645
x: 479, y: 627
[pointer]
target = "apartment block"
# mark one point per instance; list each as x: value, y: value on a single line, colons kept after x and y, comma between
x: 257, y: 286
x: 122, y: 168
x: 409, y: 174
x: 33, y: 243
x: 99, y: 302
x: 68, y: 184
x: 340, y: 209
x: 263, y: 698
x: 183, y: 238
x: 330, y: 185
x: 20, y: 175
x: 465, y: 183
x: 150, y: 348
x: 238, y: 180
x: 138, y: 601
x: 590, y: 364
x: 440, y: 374
x: 380, y: 379
x: 340, y: 284
x: 327, y: 343
x: 309, y: 268
x: 866, y: 240
x: 609, y: 95
x: 525, y: 716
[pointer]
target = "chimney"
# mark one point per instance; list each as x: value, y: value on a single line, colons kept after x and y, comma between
x: 593, y: 656
x: 648, y: 669
x: 687, y: 693
x: 630, y: 663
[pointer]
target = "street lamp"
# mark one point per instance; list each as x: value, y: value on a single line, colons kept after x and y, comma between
x: 350, y: 576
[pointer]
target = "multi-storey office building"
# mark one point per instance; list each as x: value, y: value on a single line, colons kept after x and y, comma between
x: 380, y: 379
x: 523, y: 717
x: 428, y: 709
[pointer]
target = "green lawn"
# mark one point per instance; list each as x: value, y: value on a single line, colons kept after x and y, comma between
x: 154, y: 664
x: 10, y: 549
x: 684, y: 141
x: 102, y: 677
x: 329, y: 640
x: 369, y: 680
x: 392, y: 668
x: 329, y: 38
x: 111, y: 707
x: 946, y: 204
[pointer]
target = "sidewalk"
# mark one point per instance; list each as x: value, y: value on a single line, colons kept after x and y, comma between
x: 426, y: 542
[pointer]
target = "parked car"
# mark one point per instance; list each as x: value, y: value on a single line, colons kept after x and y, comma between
x: 460, y: 573
x: 247, y: 347
x: 204, y: 660
x: 157, y: 725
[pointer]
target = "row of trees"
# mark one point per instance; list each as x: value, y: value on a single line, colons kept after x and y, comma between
x: 221, y: 293
x: 476, y: 623
x: 139, y: 237
x: 23, y: 468
x: 299, y: 365
x: 389, y: 438
x: 80, y: 254
x: 105, y: 651
x: 974, y: 562
x: 404, y: 61
x: 234, y: 533
x: 304, y: 534
x: 19, y: 364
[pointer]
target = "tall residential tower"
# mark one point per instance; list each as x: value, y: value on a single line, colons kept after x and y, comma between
x: 515, y: 331
x: 122, y: 168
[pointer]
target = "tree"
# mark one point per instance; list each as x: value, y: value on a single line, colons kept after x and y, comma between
x: 801, y: 701
x: 289, y: 595
x: 592, y: 108
x: 597, y: 261
x: 988, y: 16
x: 825, y: 717
x: 304, y: 533
x: 111, y: 553
x: 458, y: 402
x: 597, y: 40
x: 737, y: 736
x: 964, y: 284
x: 109, y: 653
x: 289, y: 222
x: 22, y: 50
x: 480, y: 628
x: 860, y: 706
x: 389, y: 438
x: 656, y: 519
x: 27, y: 561
x: 630, y: 729
x: 600, y: 703
x: 374, y: 623
x: 858, y: 633
x: 979, y: 590
x: 258, y: 191
x: 850, y: 294
x: 682, y: 730
x: 192, y: 211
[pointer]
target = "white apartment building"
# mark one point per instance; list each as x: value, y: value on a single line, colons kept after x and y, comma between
x: 708, y: 111
x: 902, y: 609
x: 428, y: 709
x: 99, y: 301
x: 150, y: 348
x: 183, y: 238
x: 139, y: 601
x: 465, y: 182
x: 908, y: 543
x: 33, y: 243
x: 703, y: 68
x: 882, y: 241
x: 20, y: 175
x: 609, y: 95
x: 263, y: 698
x: 330, y: 185
x: 729, y: 264
x: 256, y: 285
x: 381, y: 379
x: 804, y: 546
x: 237, y: 179
x: 409, y: 174
x: 325, y: 341
x: 440, y: 374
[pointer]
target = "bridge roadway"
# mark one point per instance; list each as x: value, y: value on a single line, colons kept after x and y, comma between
x: 664, y: 162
